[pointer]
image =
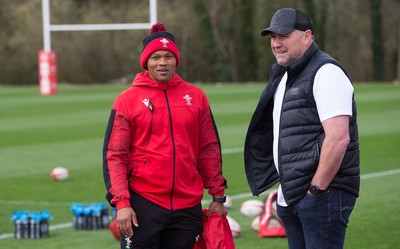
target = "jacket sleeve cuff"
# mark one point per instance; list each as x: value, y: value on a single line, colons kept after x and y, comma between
x: 218, y: 194
x: 122, y: 204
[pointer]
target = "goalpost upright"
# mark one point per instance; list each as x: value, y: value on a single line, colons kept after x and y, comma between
x: 48, y: 57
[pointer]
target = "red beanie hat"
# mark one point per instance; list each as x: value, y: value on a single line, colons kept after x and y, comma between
x: 159, y: 39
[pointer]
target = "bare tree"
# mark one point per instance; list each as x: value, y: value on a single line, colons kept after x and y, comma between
x: 397, y: 79
x: 377, y: 40
x: 220, y: 15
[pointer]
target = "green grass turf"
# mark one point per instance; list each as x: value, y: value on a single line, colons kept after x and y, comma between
x: 38, y: 133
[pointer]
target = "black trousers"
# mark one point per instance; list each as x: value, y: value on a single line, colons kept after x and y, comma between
x: 160, y: 228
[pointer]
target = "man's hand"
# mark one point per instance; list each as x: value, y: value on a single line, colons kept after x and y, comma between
x: 216, y: 207
x: 125, y: 218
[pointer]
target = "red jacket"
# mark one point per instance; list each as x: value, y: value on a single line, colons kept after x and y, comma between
x: 162, y: 143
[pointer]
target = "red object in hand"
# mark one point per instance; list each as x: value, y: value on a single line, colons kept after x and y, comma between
x: 114, y: 229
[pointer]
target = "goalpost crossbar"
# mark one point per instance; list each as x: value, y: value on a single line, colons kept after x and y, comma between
x: 48, y: 27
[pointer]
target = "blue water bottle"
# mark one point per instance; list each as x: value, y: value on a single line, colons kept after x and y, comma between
x: 73, y: 209
x: 79, y: 217
x: 34, y: 223
x: 24, y: 224
x: 105, y: 217
x: 44, y: 223
x: 16, y: 218
x: 87, y: 211
x: 96, y: 216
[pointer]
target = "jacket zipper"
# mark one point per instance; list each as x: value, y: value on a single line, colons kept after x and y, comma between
x: 173, y: 147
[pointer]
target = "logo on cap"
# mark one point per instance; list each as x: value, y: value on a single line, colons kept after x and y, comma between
x: 165, y: 42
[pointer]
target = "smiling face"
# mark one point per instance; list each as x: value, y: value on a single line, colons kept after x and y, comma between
x: 288, y: 48
x: 161, y: 65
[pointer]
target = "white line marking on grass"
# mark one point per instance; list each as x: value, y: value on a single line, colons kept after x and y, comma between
x: 232, y: 151
x: 6, y: 236
x: 379, y: 174
x: 54, y: 227
x: 42, y: 203
x: 233, y: 197
x: 60, y: 226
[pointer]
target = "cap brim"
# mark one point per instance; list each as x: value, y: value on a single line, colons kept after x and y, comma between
x: 277, y: 29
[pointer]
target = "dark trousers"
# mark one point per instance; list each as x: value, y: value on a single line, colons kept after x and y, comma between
x: 160, y: 228
x: 318, y: 222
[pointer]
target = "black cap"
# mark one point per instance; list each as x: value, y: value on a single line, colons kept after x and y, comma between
x: 286, y: 20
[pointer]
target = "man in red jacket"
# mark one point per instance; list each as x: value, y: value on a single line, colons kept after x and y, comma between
x: 161, y: 149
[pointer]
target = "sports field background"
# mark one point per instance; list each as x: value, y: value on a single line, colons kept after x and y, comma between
x: 39, y: 133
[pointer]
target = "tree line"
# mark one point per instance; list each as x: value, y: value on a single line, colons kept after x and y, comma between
x: 219, y: 40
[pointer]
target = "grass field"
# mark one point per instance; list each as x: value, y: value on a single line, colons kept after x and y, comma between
x: 38, y: 133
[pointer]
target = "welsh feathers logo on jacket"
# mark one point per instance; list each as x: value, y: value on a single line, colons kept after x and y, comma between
x: 188, y: 100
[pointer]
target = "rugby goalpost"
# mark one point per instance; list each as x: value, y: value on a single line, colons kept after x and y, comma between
x: 48, y: 57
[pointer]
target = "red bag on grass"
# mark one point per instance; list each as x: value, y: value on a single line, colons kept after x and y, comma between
x: 217, y: 233
x: 270, y: 223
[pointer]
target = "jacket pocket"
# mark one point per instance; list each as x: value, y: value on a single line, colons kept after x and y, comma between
x: 317, y: 151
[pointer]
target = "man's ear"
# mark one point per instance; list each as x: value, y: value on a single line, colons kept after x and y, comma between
x: 308, y: 35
